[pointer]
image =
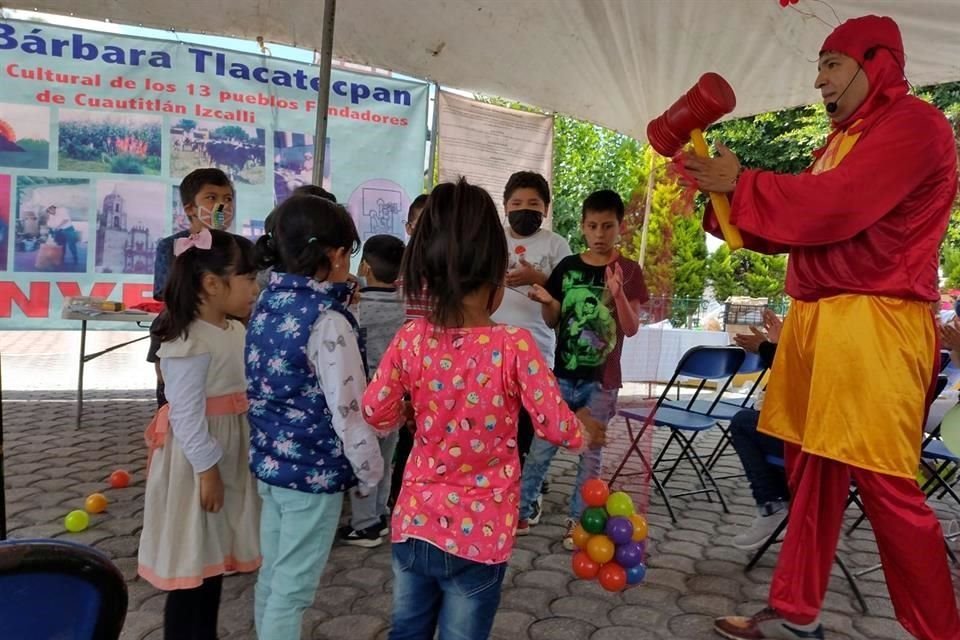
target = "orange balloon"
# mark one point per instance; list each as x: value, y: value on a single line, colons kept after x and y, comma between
x: 612, y: 577
x: 595, y: 492
x: 600, y: 548
x: 584, y: 567
x: 95, y: 503
x: 639, y: 527
x: 581, y: 537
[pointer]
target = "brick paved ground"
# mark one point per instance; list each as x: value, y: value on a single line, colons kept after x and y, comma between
x: 694, y: 573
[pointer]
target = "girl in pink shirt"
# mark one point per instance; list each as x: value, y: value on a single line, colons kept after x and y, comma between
x: 455, y: 520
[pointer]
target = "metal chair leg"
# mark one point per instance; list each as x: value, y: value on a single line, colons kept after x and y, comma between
x: 635, y: 448
x: 853, y: 583
x: 772, y: 540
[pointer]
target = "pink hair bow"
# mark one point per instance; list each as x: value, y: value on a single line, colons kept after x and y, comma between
x: 202, y: 240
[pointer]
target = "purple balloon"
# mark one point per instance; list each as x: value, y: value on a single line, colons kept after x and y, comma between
x: 620, y: 530
x: 629, y: 555
x: 636, y: 574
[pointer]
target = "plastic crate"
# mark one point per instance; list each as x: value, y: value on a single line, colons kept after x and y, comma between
x: 741, y: 313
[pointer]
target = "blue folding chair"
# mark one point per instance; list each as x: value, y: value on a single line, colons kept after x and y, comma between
x: 62, y: 590
x: 725, y: 410
x: 705, y: 364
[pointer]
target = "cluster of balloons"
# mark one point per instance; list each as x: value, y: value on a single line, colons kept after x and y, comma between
x: 79, y: 519
x: 611, y: 538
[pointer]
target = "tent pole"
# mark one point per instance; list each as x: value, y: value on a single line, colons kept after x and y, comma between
x: 434, y: 138
x: 323, y: 94
x: 648, y: 207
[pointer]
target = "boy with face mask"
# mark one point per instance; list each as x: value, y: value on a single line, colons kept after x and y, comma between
x: 207, y: 198
x: 533, y: 254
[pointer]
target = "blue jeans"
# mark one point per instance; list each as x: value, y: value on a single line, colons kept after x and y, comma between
x: 366, y: 511
x: 433, y: 588
x: 602, y: 404
x: 296, y: 532
x: 767, y: 482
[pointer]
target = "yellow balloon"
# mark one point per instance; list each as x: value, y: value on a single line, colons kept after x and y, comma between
x: 639, y: 527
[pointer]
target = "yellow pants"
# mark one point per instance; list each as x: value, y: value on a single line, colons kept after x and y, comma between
x: 850, y: 381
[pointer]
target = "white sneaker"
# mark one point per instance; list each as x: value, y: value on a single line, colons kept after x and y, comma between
x: 537, y: 512
x: 759, y: 531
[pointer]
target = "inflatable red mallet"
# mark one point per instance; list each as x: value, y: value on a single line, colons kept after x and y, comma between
x: 705, y: 103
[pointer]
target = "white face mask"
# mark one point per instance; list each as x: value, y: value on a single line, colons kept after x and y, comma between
x: 215, y: 218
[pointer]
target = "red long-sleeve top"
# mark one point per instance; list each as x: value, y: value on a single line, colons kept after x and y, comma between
x: 868, y: 216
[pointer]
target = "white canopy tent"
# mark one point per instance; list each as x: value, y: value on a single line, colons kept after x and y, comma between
x: 618, y: 63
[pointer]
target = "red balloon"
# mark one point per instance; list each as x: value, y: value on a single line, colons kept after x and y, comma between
x: 119, y: 479
x: 595, y: 492
x: 584, y: 567
x: 612, y: 577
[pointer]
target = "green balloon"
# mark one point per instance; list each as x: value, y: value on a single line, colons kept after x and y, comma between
x: 950, y: 430
x: 594, y: 520
x: 76, y: 521
x: 619, y: 504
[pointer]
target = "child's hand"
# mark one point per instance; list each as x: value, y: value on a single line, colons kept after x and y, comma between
x: 524, y: 274
x: 539, y: 294
x: 773, y: 324
x: 211, y: 490
x: 614, y: 280
x: 950, y: 335
x: 594, y: 431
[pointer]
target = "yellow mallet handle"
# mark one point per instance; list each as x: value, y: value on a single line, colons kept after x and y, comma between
x: 721, y: 205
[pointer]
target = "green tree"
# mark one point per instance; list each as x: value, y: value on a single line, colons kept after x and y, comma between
x: 587, y: 158
x: 230, y: 132
x: 947, y: 98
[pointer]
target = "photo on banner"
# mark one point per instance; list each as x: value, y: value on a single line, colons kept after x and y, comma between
x: 5, y: 193
x: 104, y: 142
x: 52, y: 225
x: 239, y: 151
x: 129, y: 224
x: 24, y: 136
x: 293, y: 163
x: 95, y: 157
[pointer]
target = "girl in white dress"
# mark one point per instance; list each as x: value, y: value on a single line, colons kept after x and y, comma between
x: 201, y: 509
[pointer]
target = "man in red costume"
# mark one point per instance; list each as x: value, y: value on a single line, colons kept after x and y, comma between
x: 858, y: 353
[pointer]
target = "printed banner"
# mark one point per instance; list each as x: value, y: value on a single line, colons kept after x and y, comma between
x: 487, y: 144
x: 97, y: 130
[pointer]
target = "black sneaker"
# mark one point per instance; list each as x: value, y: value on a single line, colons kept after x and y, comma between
x: 367, y: 538
x: 384, y: 525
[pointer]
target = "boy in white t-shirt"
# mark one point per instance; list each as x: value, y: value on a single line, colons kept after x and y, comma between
x: 533, y: 253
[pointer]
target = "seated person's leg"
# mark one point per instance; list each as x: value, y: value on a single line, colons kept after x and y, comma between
x: 767, y: 482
